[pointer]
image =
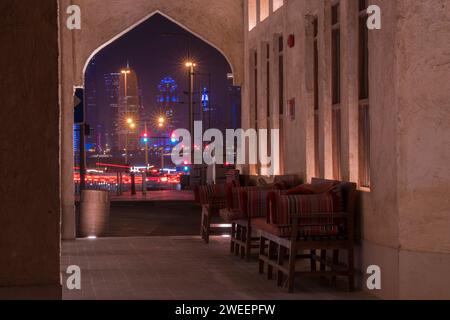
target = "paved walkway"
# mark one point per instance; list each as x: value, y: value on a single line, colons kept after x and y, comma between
x: 177, y: 268
x: 165, y: 195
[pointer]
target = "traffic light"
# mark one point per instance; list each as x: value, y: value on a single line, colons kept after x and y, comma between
x: 145, y: 138
x: 173, y: 137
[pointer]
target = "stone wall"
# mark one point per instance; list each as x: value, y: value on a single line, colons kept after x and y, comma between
x: 29, y: 148
x: 404, y: 217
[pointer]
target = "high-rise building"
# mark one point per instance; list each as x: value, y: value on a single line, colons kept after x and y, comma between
x: 206, y: 111
x: 234, y: 105
x: 167, y: 98
x: 234, y: 98
x: 112, y: 88
x: 92, y: 110
x: 129, y: 111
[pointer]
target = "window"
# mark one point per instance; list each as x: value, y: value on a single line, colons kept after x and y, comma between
x: 255, y: 87
x: 316, y: 96
x: 281, y: 74
x: 364, y: 112
x: 254, y: 96
x: 277, y: 4
x: 268, y: 80
x: 263, y: 9
x: 251, y: 14
x: 336, y: 89
x: 268, y: 97
x: 280, y: 45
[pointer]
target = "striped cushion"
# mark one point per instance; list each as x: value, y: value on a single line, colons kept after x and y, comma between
x: 254, y: 203
x: 233, y: 195
x: 209, y: 193
x: 284, y: 206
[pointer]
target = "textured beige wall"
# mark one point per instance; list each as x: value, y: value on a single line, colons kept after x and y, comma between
x: 220, y: 23
x: 404, y: 219
x: 423, y: 50
x: 29, y: 150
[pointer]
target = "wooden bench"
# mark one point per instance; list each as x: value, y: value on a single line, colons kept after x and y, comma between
x: 212, y: 199
x: 308, y: 231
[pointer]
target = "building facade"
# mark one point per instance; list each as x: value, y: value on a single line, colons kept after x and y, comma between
x: 403, y: 209
x: 112, y: 89
x: 360, y: 105
x: 167, y: 99
x: 129, y: 112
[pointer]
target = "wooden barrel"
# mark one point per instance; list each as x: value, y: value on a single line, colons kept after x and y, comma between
x: 94, y: 213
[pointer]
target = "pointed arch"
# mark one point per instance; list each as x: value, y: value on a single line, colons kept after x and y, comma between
x: 147, y: 17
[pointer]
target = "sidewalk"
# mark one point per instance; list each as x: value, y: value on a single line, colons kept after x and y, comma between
x: 153, y: 196
x: 180, y: 268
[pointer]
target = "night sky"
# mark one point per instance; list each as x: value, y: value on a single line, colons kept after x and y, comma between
x: 154, y: 54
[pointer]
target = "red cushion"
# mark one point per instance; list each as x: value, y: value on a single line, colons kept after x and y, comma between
x: 316, y: 188
x: 301, y: 189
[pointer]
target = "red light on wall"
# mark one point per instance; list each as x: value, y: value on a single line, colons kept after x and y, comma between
x: 291, y: 41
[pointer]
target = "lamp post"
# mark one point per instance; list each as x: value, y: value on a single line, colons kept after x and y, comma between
x: 146, y: 144
x: 191, y: 67
x: 130, y: 124
x: 126, y: 72
x: 161, y: 124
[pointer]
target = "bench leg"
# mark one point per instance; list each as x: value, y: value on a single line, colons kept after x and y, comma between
x: 313, y: 260
x: 291, y: 275
x: 271, y: 258
x: 243, y: 239
x: 262, y: 244
x: 351, y: 269
x: 202, y: 225
x: 233, y: 235
x: 323, y: 265
x: 335, y: 263
x: 248, y: 243
x: 238, y: 237
x: 281, y: 254
x: 207, y: 228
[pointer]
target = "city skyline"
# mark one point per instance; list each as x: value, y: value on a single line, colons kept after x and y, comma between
x: 156, y: 50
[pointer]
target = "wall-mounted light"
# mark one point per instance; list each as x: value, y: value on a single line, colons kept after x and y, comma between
x: 291, y: 41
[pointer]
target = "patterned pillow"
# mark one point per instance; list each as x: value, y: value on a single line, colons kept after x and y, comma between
x: 209, y: 192
x: 255, y: 203
x: 287, y: 205
x: 233, y: 195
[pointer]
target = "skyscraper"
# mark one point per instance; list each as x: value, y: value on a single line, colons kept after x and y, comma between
x: 92, y: 111
x: 129, y: 111
x: 234, y: 104
x: 167, y: 98
x: 112, y: 89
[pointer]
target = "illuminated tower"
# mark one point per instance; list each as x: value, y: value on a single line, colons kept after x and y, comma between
x: 112, y: 88
x: 167, y: 98
x: 129, y: 111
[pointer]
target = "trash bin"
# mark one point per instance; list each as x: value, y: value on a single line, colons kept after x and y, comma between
x: 184, y: 181
x: 94, y: 213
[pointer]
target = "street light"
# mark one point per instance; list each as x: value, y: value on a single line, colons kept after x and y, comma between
x: 161, y: 122
x: 131, y: 125
x: 191, y: 65
x: 126, y: 72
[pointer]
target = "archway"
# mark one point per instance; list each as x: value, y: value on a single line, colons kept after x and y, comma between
x: 135, y: 96
x: 223, y: 33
